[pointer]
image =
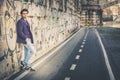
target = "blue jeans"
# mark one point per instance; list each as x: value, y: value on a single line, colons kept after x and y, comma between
x: 28, y: 53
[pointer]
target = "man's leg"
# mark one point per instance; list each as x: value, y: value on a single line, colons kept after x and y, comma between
x: 29, y: 51
x: 26, y: 57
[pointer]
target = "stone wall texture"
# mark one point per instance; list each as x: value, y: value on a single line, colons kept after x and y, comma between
x: 51, y: 23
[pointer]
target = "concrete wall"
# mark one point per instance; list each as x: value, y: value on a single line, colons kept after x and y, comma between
x: 49, y: 27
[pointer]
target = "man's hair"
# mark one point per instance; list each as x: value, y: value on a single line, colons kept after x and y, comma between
x: 24, y: 10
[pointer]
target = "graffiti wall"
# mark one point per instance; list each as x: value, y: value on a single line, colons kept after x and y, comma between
x: 50, y: 26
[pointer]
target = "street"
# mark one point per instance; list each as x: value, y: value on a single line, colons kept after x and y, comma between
x: 81, y: 58
x: 72, y: 39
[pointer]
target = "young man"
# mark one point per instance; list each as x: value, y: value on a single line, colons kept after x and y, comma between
x: 24, y: 36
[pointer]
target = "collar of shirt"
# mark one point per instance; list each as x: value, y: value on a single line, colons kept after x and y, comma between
x: 25, y: 21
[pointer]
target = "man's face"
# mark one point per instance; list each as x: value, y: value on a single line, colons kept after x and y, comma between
x: 24, y: 14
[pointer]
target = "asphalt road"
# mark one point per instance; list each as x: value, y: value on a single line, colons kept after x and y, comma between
x: 111, y: 39
x: 81, y: 58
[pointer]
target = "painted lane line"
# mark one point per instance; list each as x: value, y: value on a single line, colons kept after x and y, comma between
x: 67, y: 78
x: 83, y: 42
x: 111, y: 75
x: 80, y: 50
x: 47, y: 56
x: 77, y: 57
x: 82, y: 46
x: 86, y: 35
x: 73, y: 67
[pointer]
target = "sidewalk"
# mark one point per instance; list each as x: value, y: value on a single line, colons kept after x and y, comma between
x: 111, y: 24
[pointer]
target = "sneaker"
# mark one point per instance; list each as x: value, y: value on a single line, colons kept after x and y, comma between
x: 29, y: 68
x: 22, y: 64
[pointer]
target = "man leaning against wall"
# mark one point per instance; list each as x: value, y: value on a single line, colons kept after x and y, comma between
x: 25, y: 37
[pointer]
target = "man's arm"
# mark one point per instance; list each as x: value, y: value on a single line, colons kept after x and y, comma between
x: 20, y: 30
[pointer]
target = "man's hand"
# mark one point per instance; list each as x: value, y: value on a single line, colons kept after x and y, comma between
x: 26, y: 39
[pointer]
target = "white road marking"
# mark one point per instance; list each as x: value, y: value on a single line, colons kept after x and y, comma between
x: 86, y: 35
x: 73, y: 67
x: 77, y: 57
x: 111, y: 75
x: 67, y: 78
x: 83, y: 42
x: 80, y: 50
x: 82, y: 46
